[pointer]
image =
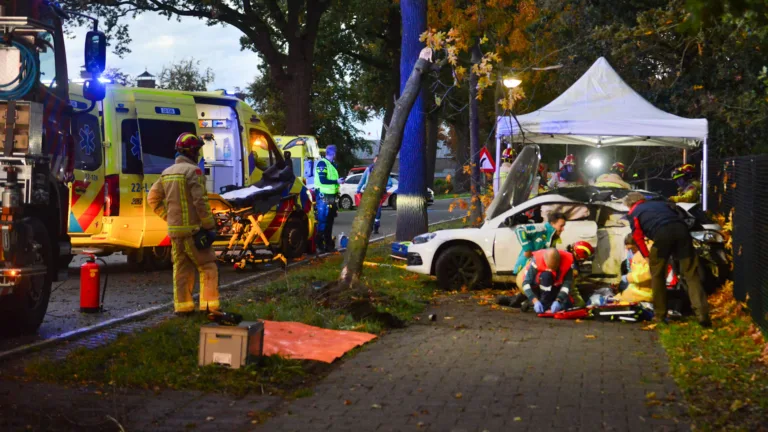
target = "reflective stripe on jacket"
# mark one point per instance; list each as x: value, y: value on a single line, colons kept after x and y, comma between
x: 328, y: 178
x: 179, y: 197
x: 611, y: 180
x: 690, y: 194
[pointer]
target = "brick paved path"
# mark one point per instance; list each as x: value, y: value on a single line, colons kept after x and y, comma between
x: 496, y: 371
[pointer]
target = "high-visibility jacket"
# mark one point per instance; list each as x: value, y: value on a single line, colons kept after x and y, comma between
x: 327, y: 178
x: 563, y: 275
x: 611, y: 180
x: 504, y: 170
x: 639, y: 278
x: 179, y: 198
x: 691, y: 193
x: 533, y: 237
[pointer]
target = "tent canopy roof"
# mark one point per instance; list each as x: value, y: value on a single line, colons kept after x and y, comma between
x: 600, y: 109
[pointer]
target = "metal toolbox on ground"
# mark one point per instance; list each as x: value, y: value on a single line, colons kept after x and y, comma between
x: 232, y: 346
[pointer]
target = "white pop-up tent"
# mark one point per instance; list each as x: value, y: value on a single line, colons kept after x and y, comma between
x: 601, y: 110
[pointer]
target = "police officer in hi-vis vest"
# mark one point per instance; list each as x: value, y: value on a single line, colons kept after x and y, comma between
x: 327, y: 188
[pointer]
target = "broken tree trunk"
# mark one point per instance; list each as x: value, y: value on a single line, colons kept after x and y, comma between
x: 377, y: 184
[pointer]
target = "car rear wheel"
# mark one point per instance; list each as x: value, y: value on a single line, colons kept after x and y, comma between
x: 158, y: 258
x: 459, y: 267
x: 346, y: 203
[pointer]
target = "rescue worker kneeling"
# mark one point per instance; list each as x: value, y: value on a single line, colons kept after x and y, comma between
x: 179, y: 197
x: 636, y: 284
x: 548, y: 281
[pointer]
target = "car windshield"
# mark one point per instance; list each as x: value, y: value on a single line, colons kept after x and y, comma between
x: 517, y: 187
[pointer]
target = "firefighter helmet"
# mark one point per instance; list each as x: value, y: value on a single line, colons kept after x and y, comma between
x: 188, y: 141
x: 569, y: 160
x: 508, y: 154
x: 619, y: 168
x: 583, y: 250
x: 685, y: 171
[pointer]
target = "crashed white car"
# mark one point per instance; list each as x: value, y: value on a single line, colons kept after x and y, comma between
x: 469, y: 257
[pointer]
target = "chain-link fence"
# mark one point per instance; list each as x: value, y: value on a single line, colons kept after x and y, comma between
x: 741, y: 185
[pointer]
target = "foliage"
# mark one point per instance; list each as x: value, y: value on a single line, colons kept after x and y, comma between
x: 185, y: 75
x: 723, y: 372
x: 443, y: 187
x: 119, y: 77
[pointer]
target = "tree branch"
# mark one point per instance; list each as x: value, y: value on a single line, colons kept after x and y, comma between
x: 369, y: 60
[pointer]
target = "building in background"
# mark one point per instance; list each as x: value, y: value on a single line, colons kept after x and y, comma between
x: 146, y: 80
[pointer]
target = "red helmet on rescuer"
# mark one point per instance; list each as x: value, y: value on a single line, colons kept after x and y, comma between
x: 683, y: 171
x: 618, y: 168
x: 583, y: 250
x: 188, y: 141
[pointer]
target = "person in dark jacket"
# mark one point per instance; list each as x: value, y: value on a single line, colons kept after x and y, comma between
x: 660, y: 222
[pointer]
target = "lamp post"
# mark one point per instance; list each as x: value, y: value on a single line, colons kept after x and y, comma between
x: 508, y: 82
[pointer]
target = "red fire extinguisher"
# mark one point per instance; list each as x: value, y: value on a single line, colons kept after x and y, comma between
x: 89, y: 286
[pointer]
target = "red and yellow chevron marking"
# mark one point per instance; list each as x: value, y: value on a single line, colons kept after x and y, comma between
x: 86, y: 206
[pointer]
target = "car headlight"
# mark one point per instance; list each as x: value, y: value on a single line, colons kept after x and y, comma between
x: 423, y: 238
x: 708, y: 236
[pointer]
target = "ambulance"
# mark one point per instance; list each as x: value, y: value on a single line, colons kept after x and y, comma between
x: 305, y: 153
x: 120, y: 155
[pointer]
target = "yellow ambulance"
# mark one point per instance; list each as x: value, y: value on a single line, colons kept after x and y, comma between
x: 305, y: 152
x: 139, y: 127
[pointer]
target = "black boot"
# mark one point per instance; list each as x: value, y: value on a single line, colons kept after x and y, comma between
x: 375, y: 230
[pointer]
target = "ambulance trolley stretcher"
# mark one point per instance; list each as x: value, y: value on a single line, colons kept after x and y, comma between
x: 238, y: 212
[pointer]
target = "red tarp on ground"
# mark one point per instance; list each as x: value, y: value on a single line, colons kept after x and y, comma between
x: 306, y: 342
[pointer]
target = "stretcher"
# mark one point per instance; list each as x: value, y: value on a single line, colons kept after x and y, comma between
x: 239, y: 214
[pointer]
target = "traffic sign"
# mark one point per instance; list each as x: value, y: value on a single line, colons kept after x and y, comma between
x: 487, y: 164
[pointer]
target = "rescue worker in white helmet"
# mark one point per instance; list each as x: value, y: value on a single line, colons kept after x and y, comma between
x: 614, y: 178
x: 507, y: 157
x: 568, y: 176
x: 688, y: 189
x: 327, y: 186
x: 179, y: 197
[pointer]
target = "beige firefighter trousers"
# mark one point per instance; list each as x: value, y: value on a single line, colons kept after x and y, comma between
x: 187, y: 260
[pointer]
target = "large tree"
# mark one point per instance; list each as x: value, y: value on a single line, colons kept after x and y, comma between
x: 284, y: 33
x: 186, y: 75
x: 411, y: 193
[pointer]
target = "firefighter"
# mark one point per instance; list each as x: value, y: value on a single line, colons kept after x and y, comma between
x: 568, y: 176
x: 361, y: 187
x: 179, y: 198
x: 328, y: 182
x: 614, y: 178
x: 688, y: 189
x: 659, y: 222
x: 635, y: 286
x: 548, y: 280
x: 507, y: 157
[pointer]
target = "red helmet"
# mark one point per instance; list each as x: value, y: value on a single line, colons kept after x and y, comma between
x: 188, y: 141
x: 618, y: 168
x: 569, y: 160
x: 508, y: 154
x: 583, y: 250
x: 686, y: 170
x: 542, y: 168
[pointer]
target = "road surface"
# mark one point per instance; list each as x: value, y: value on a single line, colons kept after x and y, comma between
x: 130, y: 290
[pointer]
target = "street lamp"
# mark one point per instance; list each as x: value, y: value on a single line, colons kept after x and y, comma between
x: 512, y: 82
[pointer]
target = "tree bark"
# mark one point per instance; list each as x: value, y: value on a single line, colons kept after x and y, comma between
x: 461, y: 179
x: 296, y: 89
x: 476, y: 205
x: 433, y: 126
x: 411, y: 191
x: 377, y: 184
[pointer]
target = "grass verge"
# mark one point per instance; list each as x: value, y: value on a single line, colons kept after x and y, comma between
x: 722, y: 371
x: 165, y: 356
x: 452, y: 195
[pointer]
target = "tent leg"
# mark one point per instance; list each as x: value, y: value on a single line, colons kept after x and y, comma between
x: 704, y: 175
x: 496, y: 173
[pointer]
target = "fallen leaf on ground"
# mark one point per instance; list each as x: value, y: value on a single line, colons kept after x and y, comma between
x: 518, y: 419
x: 458, y: 395
x: 590, y: 336
x: 578, y: 321
x: 210, y: 418
x: 420, y: 424
x: 705, y: 337
x: 448, y: 318
x: 736, y: 405
x: 376, y: 406
x: 649, y: 327
x: 347, y: 402
x: 650, y: 395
